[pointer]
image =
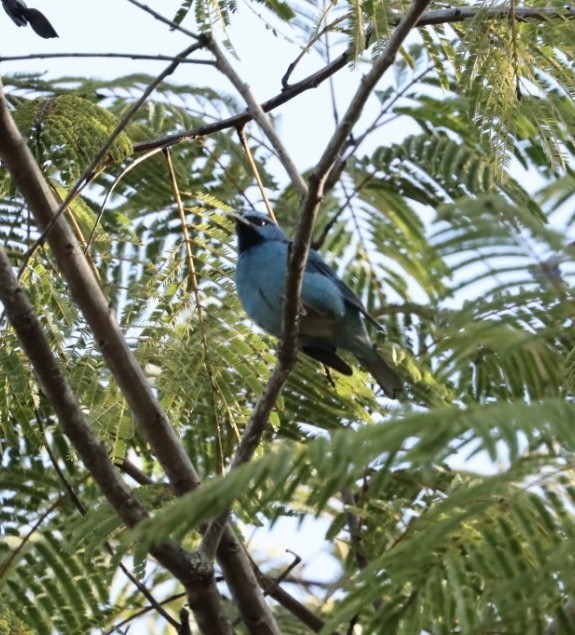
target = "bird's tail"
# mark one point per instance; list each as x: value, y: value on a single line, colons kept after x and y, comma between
x: 385, y: 376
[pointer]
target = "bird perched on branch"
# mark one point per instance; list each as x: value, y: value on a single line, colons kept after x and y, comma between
x: 22, y: 15
x: 332, y: 316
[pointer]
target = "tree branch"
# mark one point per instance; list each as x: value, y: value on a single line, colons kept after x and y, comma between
x: 158, y: 16
x: 317, y: 181
x: 287, y: 352
x: 125, y: 56
x: 459, y: 14
x: 312, y: 81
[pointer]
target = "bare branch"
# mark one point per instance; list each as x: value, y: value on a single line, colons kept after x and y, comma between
x: 256, y: 112
x: 125, y: 56
x: 88, y: 295
x: 312, y: 81
x: 429, y: 18
x: 287, y: 352
x: 503, y: 11
x: 161, y: 18
x: 318, y: 178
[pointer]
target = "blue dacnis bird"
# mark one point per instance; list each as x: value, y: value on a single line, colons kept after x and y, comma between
x: 332, y: 315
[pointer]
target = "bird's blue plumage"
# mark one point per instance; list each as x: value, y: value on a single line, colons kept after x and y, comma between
x: 332, y: 315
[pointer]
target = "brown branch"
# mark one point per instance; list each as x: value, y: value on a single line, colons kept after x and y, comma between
x: 230, y: 551
x: 503, y: 11
x: 196, y: 576
x: 287, y: 352
x: 88, y: 295
x: 312, y: 81
x: 136, y: 614
x: 318, y: 178
x: 257, y: 113
x: 158, y: 16
x: 296, y: 608
x: 126, y: 56
x: 81, y: 508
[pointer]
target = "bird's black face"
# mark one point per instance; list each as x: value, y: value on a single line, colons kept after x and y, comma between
x: 254, y: 228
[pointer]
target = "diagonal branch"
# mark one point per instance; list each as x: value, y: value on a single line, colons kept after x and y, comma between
x: 317, y: 180
x: 257, y: 113
x: 312, y: 81
x: 158, y: 16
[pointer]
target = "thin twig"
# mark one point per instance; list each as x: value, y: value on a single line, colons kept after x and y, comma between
x: 111, y: 189
x: 128, y: 56
x: 140, y: 612
x: 161, y: 18
x: 256, y: 112
x: 16, y: 553
x: 305, y: 50
x: 255, y: 172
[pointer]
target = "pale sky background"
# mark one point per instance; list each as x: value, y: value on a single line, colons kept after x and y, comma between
x: 306, y: 122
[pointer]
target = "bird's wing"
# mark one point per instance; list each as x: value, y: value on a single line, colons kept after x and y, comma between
x: 22, y: 15
x: 40, y: 24
x: 316, y: 264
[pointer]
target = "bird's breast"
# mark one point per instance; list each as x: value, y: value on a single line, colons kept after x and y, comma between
x: 260, y: 280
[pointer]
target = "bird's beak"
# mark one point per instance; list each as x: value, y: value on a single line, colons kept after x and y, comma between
x: 238, y: 218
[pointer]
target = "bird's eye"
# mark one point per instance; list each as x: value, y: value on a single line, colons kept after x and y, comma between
x: 260, y: 222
